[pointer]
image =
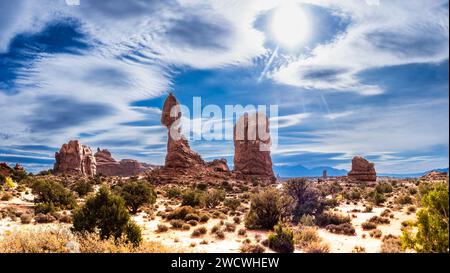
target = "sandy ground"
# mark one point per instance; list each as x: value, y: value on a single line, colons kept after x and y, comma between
x: 231, y: 244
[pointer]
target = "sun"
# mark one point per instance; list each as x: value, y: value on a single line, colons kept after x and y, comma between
x: 290, y: 25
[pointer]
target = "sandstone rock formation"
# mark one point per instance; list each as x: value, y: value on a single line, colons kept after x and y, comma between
x: 435, y: 176
x: 75, y: 158
x: 5, y: 169
x: 108, y: 166
x: 179, y: 154
x: 252, y: 147
x: 362, y: 170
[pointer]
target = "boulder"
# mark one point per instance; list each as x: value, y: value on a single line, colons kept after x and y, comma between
x: 252, y: 147
x: 362, y: 170
x: 75, y: 158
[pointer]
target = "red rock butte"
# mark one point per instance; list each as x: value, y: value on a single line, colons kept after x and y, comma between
x: 362, y: 170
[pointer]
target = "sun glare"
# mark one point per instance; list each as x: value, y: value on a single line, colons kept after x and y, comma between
x: 290, y: 25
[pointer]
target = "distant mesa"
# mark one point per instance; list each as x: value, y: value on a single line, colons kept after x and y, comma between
x: 75, y: 158
x: 108, y: 166
x: 78, y: 159
x: 252, y: 147
x: 362, y: 170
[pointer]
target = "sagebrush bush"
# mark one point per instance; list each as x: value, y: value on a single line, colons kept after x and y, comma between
x: 391, y: 244
x: 345, y: 229
x: 376, y: 197
x: 44, y: 208
x: 232, y: 203
x: 173, y: 192
x: 199, y: 231
x: 384, y: 187
x: 305, y: 236
x: 266, y: 209
x: 181, y: 213
x: 162, y: 228
x: 107, y: 213
x: 317, y: 247
x: 368, y: 226
x: 83, y: 187
x: 281, y: 240
x: 176, y: 223
x: 330, y: 218
x: 212, y: 198
x: 252, y: 248
x: 191, y: 198
x: 26, y: 218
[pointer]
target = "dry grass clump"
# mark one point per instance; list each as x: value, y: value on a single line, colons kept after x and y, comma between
x: 391, y: 244
x: 308, y: 239
x: 252, y: 248
x: 317, y: 247
x: 62, y: 240
x: 376, y: 233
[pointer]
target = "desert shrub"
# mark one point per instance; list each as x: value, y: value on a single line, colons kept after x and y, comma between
x: 237, y: 220
x: 44, y: 218
x: 136, y: 194
x: 376, y: 233
x: 252, y: 248
x: 266, y: 209
x: 83, y: 187
x: 48, y: 191
x: 383, y: 187
x: 219, y: 234
x: 432, y: 223
x: 368, y: 209
x: 26, y: 218
x: 192, y: 216
x: 412, y: 191
x: 306, y: 197
x: 359, y: 249
x: 173, y: 192
x: 204, y: 218
x: 192, y: 223
x: 202, y: 186
x: 391, y: 244
x: 232, y: 203
x: 162, y: 228
x: 44, y: 208
x: 411, y: 209
x: 215, y: 228
x: 65, y: 219
x: 282, y: 240
x: 317, y: 247
x: 191, y: 198
x: 7, y: 196
x: 331, y: 218
x: 385, y: 213
x: 379, y: 220
x: 212, y: 198
x: 106, y: 212
x: 176, y: 223
x: 307, y: 220
x: 199, y: 231
x: 368, y: 226
x: 346, y: 229
x: 305, y: 236
x: 376, y: 197
x: 242, y: 232
x: 230, y: 227
x: 404, y: 199
x: 352, y: 195
x: 181, y: 213
x: 186, y: 227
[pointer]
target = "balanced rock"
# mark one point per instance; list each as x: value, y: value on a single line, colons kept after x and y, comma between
x: 179, y: 153
x: 75, y: 158
x: 252, y: 147
x: 362, y: 170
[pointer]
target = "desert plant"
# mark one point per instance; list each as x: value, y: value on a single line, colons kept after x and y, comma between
x: 282, y: 240
x: 368, y: 226
x: 305, y: 236
x: 306, y: 196
x: 376, y: 197
x: 181, y: 213
x: 391, y: 244
x: 331, y: 218
x: 173, y: 192
x: 107, y: 213
x: 192, y: 216
x: 26, y: 218
x: 48, y: 191
x: 44, y: 208
x: 191, y: 198
x: 345, y: 229
x: 404, y: 199
x: 7, y: 196
x: 232, y: 203
x: 252, y: 248
x: 266, y: 209
x: 317, y: 247
x: 212, y: 198
x: 384, y: 187
x: 376, y: 233
x: 136, y: 194
x: 199, y: 231
x: 83, y: 187
x: 176, y: 223
x: 162, y: 228
x: 432, y: 223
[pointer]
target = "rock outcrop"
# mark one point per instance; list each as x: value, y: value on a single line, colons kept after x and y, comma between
x: 252, y: 147
x: 362, y: 170
x: 5, y: 169
x: 179, y: 153
x: 435, y: 176
x: 75, y: 158
x: 108, y: 166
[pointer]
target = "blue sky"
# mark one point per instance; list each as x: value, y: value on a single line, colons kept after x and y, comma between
x: 370, y: 79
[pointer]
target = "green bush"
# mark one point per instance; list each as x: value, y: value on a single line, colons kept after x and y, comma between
x: 48, y: 191
x: 368, y: 226
x: 181, y: 213
x: 404, y: 199
x: 191, y: 198
x: 376, y: 197
x: 107, y: 212
x: 136, y: 194
x: 173, y: 192
x: 83, y: 187
x: 432, y: 223
x: 212, y: 198
x: 345, y: 229
x: 282, y: 240
x: 330, y: 218
x: 232, y: 203
x: 267, y: 208
x: 44, y: 208
x: 384, y: 187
